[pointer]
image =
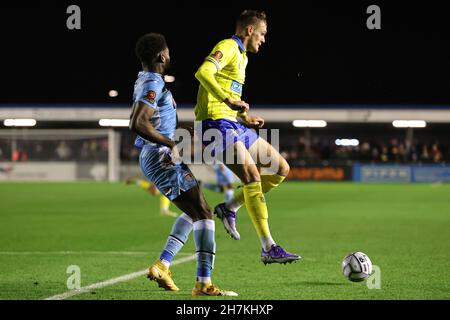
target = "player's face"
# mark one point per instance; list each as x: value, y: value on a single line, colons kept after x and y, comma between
x: 257, y: 38
x: 166, y: 58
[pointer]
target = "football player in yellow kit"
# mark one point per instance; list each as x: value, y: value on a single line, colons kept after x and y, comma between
x: 219, y: 107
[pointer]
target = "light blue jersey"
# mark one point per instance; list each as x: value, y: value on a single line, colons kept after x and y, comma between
x: 156, y: 160
x: 150, y: 89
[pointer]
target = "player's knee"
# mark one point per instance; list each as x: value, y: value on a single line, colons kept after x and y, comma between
x: 205, y: 213
x: 204, y: 210
x: 255, y: 176
x: 251, y: 176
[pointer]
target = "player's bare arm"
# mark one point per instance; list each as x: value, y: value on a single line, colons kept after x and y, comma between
x: 238, y: 105
x: 140, y: 123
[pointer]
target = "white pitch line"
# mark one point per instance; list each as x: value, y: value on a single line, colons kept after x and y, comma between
x: 112, y: 281
x: 18, y: 253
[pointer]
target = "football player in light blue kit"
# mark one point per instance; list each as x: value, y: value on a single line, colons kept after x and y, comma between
x: 154, y: 119
x: 224, y: 181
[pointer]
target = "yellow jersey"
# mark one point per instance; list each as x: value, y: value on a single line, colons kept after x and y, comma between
x: 228, y: 60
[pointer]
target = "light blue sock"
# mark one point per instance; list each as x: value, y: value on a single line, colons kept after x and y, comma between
x: 205, y: 245
x: 177, y: 238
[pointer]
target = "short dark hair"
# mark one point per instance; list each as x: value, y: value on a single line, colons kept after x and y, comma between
x: 149, y: 46
x: 250, y: 17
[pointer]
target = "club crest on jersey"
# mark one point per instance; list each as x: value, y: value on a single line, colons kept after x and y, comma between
x: 217, y: 55
x: 150, y: 96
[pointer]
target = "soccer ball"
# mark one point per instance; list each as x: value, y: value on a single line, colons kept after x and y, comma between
x: 356, y: 266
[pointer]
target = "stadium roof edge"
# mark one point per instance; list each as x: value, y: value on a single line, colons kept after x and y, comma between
x: 344, y: 115
x: 254, y: 106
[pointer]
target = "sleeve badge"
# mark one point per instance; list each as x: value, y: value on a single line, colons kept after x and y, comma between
x: 150, y: 96
x: 217, y: 55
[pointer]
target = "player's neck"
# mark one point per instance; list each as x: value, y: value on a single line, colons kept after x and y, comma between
x: 243, y: 39
x: 158, y: 68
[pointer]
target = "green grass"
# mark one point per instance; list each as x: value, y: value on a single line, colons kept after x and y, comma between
x: 109, y: 230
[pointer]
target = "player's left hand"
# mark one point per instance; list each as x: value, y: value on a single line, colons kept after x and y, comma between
x: 253, y: 122
x: 176, y: 158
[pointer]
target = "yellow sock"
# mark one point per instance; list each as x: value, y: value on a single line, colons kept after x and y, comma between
x: 143, y: 184
x: 164, y: 203
x: 268, y: 182
x: 257, y: 208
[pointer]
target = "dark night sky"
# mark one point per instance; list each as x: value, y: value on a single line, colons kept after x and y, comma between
x: 315, y: 52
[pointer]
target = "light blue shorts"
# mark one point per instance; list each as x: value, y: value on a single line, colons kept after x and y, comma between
x: 170, y: 179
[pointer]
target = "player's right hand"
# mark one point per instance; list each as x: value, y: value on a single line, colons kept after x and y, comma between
x: 176, y: 158
x: 238, y: 105
x: 254, y: 122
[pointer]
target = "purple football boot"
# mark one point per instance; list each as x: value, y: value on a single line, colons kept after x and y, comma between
x: 277, y: 254
x: 228, y: 218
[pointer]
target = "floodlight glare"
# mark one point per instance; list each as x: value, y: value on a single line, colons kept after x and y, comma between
x: 347, y: 142
x: 114, y: 122
x: 168, y: 78
x: 113, y: 93
x: 19, y: 122
x: 409, y: 123
x: 309, y: 123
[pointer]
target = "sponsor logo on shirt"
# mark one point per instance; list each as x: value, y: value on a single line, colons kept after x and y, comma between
x: 236, y: 87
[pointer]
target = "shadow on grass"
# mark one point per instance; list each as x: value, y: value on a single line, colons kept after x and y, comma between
x: 321, y: 283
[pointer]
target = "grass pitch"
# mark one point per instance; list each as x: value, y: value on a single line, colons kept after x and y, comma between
x: 111, y: 230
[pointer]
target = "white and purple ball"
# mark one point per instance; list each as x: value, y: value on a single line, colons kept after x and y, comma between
x: 356, y: 266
